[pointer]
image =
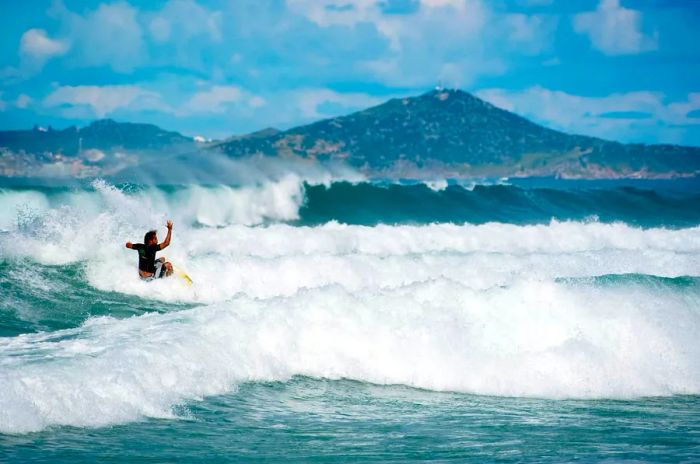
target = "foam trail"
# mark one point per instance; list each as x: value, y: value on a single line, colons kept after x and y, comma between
x: 535, y: 338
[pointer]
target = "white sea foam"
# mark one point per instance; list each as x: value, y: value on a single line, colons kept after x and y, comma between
x: 279, y: 259
x: 437, y: 185
x: 534, y: 338
x: 18, y: 206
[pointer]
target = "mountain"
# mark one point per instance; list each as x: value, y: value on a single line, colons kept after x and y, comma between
x: 453, y: 133
x: 102, y: 147
x: 443, y: 133
x: 104, y: 134
x: 261, y: 134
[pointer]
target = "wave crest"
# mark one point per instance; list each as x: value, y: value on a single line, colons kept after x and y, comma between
x: 536, y: 339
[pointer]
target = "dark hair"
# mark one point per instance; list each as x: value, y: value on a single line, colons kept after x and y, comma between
x: 149, y: 235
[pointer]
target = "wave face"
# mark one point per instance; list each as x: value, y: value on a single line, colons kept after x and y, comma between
x: 370, y: 204
x: 297, y: 200
x: 541, y: 299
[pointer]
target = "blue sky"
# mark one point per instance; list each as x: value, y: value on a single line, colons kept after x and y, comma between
x: 627, y: 70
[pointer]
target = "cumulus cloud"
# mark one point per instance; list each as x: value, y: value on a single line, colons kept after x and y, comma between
x: 530, y: 34
x: 110, y: 35
x: 336, y: 12
x: 104, y: 100
x: 36, y: 47
x: 310, y: 42
x: 620, y: 116
x: 453, y: 41
x: 123, y: 37
x: 457, y: 17
x: 614, y: 30
x: 183, y: 30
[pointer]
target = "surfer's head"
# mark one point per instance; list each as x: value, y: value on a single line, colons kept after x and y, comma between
x: 150, y: 238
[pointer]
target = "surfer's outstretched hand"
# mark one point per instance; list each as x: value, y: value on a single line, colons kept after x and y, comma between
x: 169, y: 224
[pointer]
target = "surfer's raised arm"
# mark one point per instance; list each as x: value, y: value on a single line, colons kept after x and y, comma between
x: 166, y: 242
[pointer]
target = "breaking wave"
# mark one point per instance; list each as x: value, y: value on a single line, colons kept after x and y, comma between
x: 552, y: 307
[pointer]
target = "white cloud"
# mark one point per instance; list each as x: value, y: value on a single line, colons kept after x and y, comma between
x: 116, y: 34
x: 453, y: 18
x: 441, y: 41
x: 574, y: 113
x: 214, y: 100
x: 110, y: 35
x: 678, y: 111
x: 426, y: 71
x: 183, y: 33
x: 336, y: 12
x: 530, y: 34
x: 104, y: 100
x: 257, y: 101
x: 614, y: 30
x: 188, y: 19
x: 160, y: 29
x: 36, y: 43
x: 220, y: 99
x: 453, y: 41
x: 88, y: 101
x: 310, y: 102
x: 23, y: 101
x: 327, y: 13
x: 459, y: 4
x: 628, y: 116
x: 36, y: 47
x: 535, y: 2
x: 294, y: 107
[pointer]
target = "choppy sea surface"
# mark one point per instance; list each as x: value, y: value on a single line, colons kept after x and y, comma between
x: 348, y: 320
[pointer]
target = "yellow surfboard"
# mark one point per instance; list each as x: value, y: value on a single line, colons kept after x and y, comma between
x: 181, y: 274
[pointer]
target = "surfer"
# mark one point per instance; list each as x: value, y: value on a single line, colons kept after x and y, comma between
x: 149, y: 267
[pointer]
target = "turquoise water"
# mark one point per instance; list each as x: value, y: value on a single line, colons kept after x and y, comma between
x: 309, y: 420
x: 546, y: 321
x: 372, y: 204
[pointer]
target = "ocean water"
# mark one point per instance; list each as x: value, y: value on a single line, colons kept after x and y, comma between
x: 338, y: 319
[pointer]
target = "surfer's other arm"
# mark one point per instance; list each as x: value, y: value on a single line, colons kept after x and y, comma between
x: 166, y: 242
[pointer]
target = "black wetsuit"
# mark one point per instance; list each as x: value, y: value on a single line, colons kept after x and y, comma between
x: 147, y: 257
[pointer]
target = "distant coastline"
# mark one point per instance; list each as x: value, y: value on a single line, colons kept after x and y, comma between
x: 440, y: 134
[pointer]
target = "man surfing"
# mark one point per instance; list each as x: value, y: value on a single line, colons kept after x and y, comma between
x: 151, y: 268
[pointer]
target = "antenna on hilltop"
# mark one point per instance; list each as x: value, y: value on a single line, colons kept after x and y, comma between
x: 439, y: 87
